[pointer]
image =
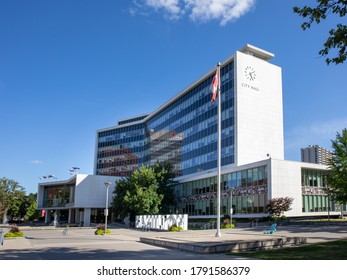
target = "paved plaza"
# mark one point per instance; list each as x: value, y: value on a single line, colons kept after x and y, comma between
x: 49, y: 243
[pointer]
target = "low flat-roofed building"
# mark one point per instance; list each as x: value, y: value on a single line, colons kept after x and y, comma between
x: 80, y: 199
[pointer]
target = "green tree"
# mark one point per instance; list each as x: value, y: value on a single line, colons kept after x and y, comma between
x: 31, y: 213
x: 337, y: 39
x: 27, y: 201
x: 277, y: 206
x: 338, y: 168
x: 11, y: 197
x: 118, y: 205
x: 138, y: 194
x: 165, y: 175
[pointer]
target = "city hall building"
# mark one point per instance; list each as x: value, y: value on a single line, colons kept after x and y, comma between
x: 183, y: 131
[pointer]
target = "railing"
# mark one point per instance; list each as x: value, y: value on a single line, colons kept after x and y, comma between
x: 65, y: 231
x: 59, y: 202
x: 210, y: 225
x: 254, y: 223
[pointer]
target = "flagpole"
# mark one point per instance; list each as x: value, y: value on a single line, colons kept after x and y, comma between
x: 219, y: 157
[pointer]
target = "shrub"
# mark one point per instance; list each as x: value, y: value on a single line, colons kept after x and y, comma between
x: 277, y: 206
x: 14, y: 228
x: 226, y: 222
x: 226, y: 217
x: 175, y: 228
x: 100, y: 230
x: 100, y: 226
x: 228, y: 226
x: 14, y: 232
x: 282, y: 218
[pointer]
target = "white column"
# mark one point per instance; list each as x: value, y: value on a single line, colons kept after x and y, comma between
x: 86, y: 218
x: 80, y: 217
x: 47, y: 216
x: 56, y: 218
x: 69, y: 217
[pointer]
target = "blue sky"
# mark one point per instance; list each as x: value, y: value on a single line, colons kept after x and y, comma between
x: 69, y: 68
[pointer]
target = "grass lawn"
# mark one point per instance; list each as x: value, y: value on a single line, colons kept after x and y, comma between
x: 334, y: 250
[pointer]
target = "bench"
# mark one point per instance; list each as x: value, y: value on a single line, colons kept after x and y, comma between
x: 272, y: 229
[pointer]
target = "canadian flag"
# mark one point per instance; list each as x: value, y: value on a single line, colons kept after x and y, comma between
x: 214, y: 86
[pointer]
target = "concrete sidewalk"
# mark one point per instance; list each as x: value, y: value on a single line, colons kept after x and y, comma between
x: 81, y: 243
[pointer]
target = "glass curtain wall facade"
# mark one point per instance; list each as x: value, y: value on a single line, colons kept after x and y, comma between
x: 184, y: 133
x: 244, y: 191
x: 58, y: 196
x: 192, y: 123
x: 314, y: 195
x: 120, y: 150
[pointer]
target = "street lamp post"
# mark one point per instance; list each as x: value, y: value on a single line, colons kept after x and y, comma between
x: 231, y: 208
x: 107, y: 185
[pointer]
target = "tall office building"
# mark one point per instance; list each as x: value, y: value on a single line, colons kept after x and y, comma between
x: 315, y: 154
x: 184, y: 130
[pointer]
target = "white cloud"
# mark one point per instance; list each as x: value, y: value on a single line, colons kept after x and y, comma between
x: 223, y: 10
x: 171, y: 8
x: 36, y: 161
x: 201, y: 10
